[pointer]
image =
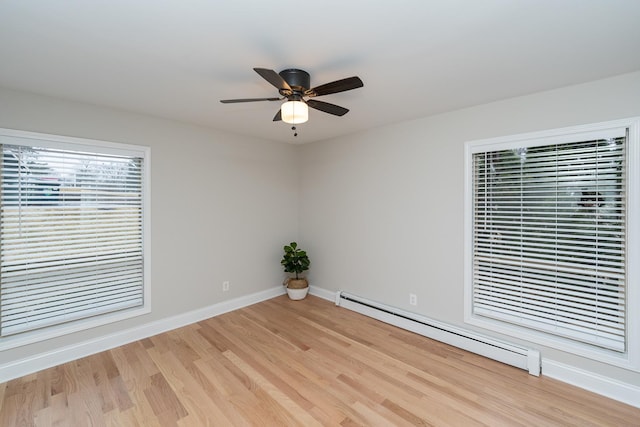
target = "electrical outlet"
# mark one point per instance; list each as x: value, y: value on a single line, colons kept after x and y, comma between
x: 413, y: 299
x: 225, y: 286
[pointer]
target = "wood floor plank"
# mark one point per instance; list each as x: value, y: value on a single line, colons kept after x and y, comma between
x: 412, y: 379
x: 304, y: 377
x: 297, y: 363
x: 293, y: 409
x: 208, y: 378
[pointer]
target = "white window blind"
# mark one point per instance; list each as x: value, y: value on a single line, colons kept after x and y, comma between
x: 549, y: 238
x: 70, y: 236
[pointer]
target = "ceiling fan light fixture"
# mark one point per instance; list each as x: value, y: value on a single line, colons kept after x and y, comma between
x: 294, y: 112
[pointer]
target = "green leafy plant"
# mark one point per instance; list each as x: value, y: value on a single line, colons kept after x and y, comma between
x: 295, y: 260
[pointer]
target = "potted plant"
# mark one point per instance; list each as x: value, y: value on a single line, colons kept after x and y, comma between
x: 295, y: 260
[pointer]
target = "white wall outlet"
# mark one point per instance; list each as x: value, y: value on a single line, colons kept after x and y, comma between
x: 413, y: 299
x: 225, y: 286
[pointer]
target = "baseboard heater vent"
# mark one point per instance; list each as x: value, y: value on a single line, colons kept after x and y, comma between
x: 521, y: 357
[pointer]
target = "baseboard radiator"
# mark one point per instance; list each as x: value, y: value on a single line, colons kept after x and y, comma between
x: 521, y: 357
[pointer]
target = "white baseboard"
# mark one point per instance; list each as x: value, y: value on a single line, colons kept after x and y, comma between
x: 322, y: 293
x: 609, y: 387
x: 22, y: 367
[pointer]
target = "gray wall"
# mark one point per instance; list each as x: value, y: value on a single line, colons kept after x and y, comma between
x: 222, y: 206
x: 381, y: 212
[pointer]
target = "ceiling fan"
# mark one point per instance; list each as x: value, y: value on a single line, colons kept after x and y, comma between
x: 293, y: 85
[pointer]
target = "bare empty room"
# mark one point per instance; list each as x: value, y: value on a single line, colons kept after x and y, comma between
x: 343, y: 213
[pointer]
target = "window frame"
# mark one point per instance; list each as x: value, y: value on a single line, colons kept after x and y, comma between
x: 27, y: 138
x: 630, y: 359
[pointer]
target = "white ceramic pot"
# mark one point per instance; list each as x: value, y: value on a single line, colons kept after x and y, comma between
x: 297, y: 294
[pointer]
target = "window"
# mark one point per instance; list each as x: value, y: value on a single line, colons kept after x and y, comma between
x: 549, y: 220
x: 72, y: 232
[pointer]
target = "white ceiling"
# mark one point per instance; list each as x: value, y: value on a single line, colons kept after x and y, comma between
x: 177, y: 58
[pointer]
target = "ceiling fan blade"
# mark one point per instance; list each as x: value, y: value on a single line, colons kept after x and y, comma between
x: 335, y: 87
x: 273, y: 78
x: 278, y: 116
x: 232, y: 101
x: 336, y: 110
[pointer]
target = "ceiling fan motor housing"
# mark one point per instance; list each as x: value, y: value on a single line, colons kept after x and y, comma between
x: 299, y: 80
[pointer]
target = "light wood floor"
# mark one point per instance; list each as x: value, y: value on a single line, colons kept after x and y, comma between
x: 307, y: 363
